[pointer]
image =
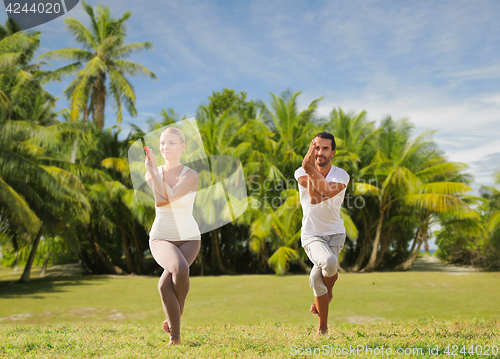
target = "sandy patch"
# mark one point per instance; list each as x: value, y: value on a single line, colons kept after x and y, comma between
x: 360, y: 319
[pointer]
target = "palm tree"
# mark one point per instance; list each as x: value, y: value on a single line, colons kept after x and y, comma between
x: 436, y: 194
x: 21, y: 94
x: 494, y: 220
x: 281, y: 229
x: 218, y: 134
x: 293, y: 129
x: 354, y: 137
x: 36, y: 196
x: 385, y: 168
x: 103, y: 53
x: 408, y: 171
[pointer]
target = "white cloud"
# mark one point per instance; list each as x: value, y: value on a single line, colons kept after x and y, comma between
x: 488, y: 72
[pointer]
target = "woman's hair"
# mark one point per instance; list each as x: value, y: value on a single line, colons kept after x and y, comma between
x: 175, y: 131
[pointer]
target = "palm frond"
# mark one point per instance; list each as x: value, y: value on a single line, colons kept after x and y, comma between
x: 281, y: 257
x: 129, y: 49
x: 17, y: 210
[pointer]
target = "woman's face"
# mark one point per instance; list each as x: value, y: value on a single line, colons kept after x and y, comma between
x: 171, y: 146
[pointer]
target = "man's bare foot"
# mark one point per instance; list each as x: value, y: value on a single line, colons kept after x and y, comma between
x: 166, y: 327
x: 322, y: 331
x: 173, y: 342
x: 313, y: 307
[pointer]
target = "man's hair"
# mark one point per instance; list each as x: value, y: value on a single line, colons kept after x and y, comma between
x: 329, y: 136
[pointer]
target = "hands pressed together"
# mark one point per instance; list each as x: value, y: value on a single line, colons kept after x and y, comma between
x: 309, y: 158
x: 150, y: 158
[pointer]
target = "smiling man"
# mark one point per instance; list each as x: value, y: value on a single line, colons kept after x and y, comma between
x: 322, y: 188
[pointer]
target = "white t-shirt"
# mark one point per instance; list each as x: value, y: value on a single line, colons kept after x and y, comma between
x: 323, y: 218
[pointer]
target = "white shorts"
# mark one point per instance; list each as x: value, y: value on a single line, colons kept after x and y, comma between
x: 324, y: 252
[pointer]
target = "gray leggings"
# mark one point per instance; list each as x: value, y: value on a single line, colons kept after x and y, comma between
x: 175, y: 257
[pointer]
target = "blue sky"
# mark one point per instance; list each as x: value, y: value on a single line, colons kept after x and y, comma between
x: 437, y: 63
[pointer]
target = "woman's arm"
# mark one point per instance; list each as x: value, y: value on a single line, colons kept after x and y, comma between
x: 156, y: 183
x: 152, y: 178
x: 188, y: 182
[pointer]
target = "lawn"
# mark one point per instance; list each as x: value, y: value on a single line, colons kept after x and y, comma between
x: 251, y: 299
x: 425, y: 338
x: 249, y: 316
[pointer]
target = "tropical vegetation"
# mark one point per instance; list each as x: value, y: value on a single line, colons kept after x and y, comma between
x: 67, y: 193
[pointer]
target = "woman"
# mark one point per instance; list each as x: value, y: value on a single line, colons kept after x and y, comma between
x: 174, y: 239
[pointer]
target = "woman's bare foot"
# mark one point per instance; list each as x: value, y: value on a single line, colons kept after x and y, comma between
x: 174, y: 342
x: 166, y: 327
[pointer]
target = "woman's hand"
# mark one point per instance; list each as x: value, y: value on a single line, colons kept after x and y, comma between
x: 150, y: 158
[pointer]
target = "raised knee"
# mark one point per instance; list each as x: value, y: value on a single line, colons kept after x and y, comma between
x: 331, y: 266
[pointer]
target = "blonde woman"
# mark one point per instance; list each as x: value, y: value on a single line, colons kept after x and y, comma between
x: 174, y: 239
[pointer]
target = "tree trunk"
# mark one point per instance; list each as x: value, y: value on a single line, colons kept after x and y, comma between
x: 75, y: 149
x: 25, y: 277
x: 16, y: 261
x: 215, y: 257
x: 98, y: 115
x: 126, y: 250
x: 199, y: 263
x: 413, y: 245
x: 304, y: 266
x: 386, y: 241
x: 107, y: 263
x: 86, y: 113
x: 371, y: 263
x: 45, y: 263
x: 413, y: 255
x: 139, y: 253
x: 363, y: 251
x: 426, y: 246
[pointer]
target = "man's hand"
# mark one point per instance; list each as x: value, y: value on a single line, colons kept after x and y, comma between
x: 309, y: 158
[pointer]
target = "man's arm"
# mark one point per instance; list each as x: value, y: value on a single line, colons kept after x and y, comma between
x: 314, y: 196
x: 327, y: 189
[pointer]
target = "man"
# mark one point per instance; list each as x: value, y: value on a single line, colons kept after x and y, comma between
x: 322, y: 188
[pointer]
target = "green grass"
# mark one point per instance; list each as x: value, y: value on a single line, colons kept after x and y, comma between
x: 252, y: 299
x: 246, y: 316
x: 277, y: 340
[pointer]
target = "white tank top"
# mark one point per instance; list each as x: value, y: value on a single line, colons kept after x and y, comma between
x: 175, y: 221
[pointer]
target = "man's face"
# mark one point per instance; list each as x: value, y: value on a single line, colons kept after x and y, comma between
x: 323, y: 153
